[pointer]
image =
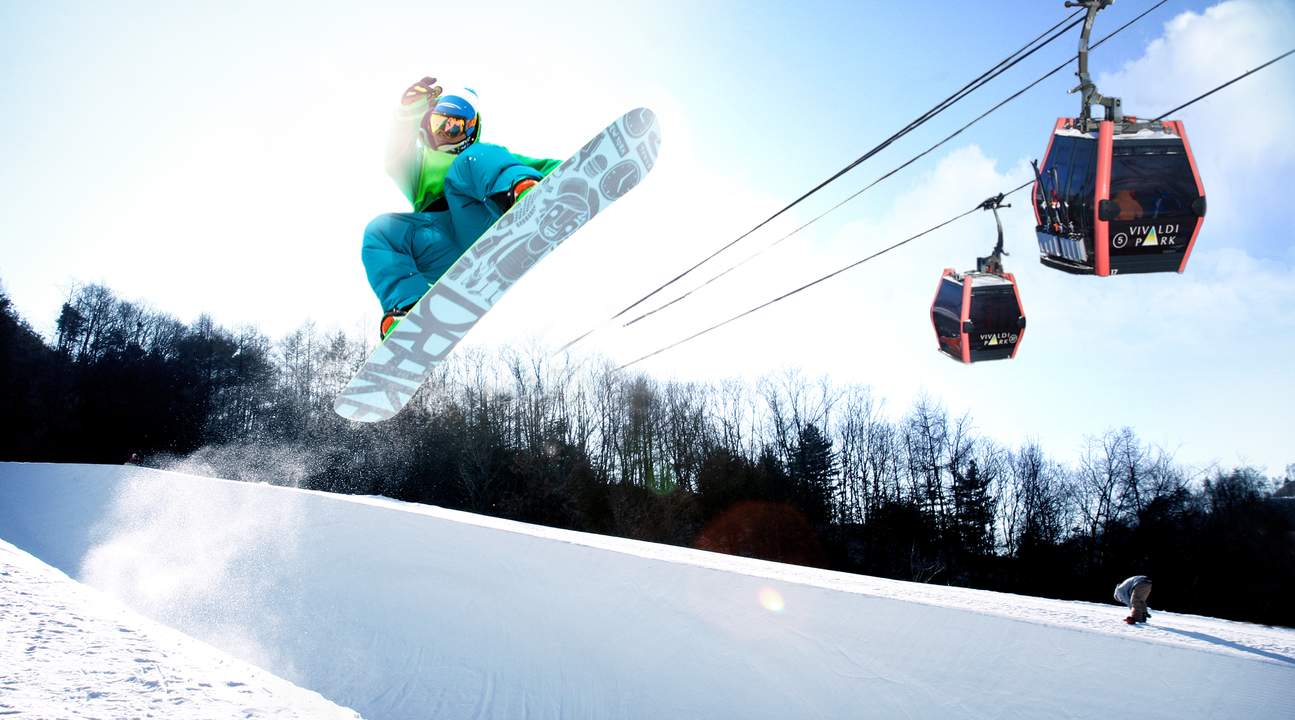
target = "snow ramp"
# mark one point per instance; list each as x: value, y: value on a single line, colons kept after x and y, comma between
x: 408, y: 611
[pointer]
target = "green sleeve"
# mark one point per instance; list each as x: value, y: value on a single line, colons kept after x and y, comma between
x: 431, y: 178
x: 430, y: 185
x: 543, y: 166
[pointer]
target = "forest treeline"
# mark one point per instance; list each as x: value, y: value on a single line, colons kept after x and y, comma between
x: 787, y: 468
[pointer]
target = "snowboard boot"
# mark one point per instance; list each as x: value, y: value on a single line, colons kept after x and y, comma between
x: 392, y: 318
x: 506, y: 200
x: 1130, y: 620
x: 522, y: 187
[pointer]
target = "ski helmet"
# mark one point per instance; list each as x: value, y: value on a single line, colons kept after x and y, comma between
x: 452, y: 123
x: 431, y: 116
x: 447, y: 116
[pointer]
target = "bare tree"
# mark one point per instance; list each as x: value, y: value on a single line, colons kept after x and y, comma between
x: 926, y: 442
x: 687, y: 435
x: 640, y: 447
x: 1032, y: 501
x: 856, y: 428
x: 733, y: 408
x: 485, y: 410
x: 1099, y: 477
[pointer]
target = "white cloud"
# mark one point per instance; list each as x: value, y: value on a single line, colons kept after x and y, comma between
x: 1242, y: 135
x: 1195, y: 362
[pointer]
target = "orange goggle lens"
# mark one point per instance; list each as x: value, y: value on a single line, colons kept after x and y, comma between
x: 447, y: 129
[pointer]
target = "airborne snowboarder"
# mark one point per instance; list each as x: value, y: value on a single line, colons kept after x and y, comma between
x: 458, y: 188
x: 405, y: 252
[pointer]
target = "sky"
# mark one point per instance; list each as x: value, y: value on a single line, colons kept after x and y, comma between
x: 225, y: 160
x: 400, y: 610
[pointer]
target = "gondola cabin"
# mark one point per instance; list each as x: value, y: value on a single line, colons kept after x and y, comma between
x: 978, y: 316
x: 1124, y: 197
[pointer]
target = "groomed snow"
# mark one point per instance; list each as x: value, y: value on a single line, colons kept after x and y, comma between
x: 407, y: 611
x: 69, y: 651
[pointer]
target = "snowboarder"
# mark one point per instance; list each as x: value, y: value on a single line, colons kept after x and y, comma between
x: 605, y: 168
x: 1134, y: 592
x: 458, y: 188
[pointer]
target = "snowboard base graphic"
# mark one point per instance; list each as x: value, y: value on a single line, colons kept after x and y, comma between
x: 605, y: 169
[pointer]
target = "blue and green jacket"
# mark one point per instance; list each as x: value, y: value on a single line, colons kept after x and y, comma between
x: 428, y: 186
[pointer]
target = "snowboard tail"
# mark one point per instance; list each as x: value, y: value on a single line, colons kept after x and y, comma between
x: 604, y: 170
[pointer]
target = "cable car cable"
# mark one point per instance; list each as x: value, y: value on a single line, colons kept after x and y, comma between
x: 806, y: 286
x: 979, y: 206
x: 869, y: 186
x: 1002, y: 66
x: 940, y: 107
x: 1239, y: 77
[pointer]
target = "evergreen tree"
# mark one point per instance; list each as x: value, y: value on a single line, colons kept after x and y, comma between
x: 29, y: 372
x: 973, y: 521
x: 812, y: 471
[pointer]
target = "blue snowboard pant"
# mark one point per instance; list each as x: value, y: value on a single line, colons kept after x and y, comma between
x: 406, y: 253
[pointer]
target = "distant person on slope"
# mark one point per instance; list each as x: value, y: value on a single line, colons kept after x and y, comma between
x: 1134, y: 592
x: 458, y: 188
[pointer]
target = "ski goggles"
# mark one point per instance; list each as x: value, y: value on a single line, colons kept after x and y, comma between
x: 448, y: 133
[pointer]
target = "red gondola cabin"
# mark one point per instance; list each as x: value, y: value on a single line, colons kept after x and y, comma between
x: 1125, y: 198
x: 978, y: 316
x: 1116, y: 195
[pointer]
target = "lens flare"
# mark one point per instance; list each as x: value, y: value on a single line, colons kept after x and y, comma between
x: 771, y: 600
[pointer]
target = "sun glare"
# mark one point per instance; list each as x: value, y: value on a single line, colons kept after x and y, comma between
x: 771, y: 600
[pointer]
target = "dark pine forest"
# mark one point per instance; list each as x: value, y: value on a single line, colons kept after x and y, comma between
x: 789, y: 469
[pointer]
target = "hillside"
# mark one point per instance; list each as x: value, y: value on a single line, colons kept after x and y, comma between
x: 403, y: 611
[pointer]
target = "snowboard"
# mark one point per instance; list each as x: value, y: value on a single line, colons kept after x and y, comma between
x: 603, y: 171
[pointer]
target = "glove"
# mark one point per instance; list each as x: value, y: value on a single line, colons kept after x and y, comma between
x: 425, y: 89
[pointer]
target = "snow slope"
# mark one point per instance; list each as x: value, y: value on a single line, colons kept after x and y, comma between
x: 72, y: 652
x: 404, y: 611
